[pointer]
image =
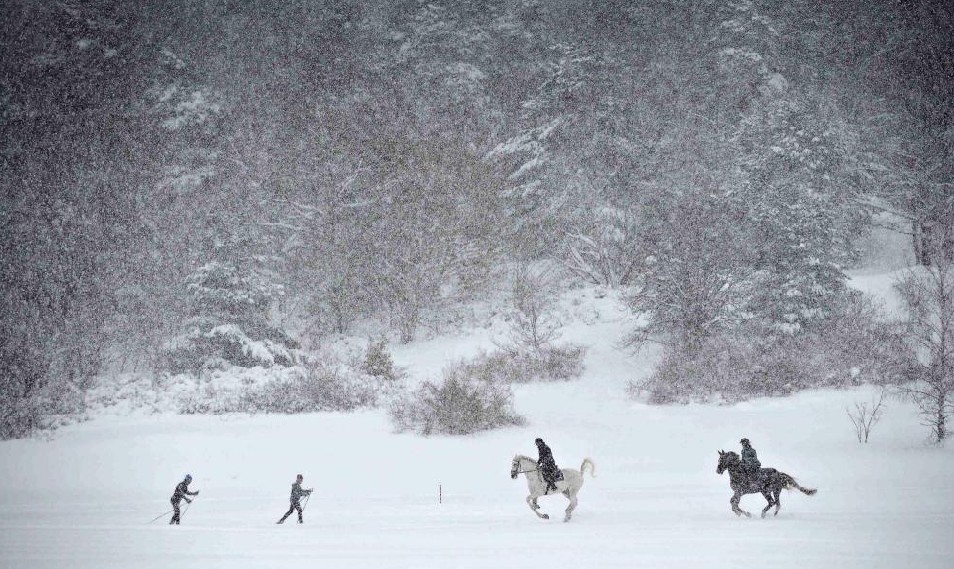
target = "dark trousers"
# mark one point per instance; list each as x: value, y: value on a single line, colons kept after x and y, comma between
x: 175, y: 512
x: 294, y: 506
x: 551, y: 475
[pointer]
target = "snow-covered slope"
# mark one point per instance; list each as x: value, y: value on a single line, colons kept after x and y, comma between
x: 83, y: 498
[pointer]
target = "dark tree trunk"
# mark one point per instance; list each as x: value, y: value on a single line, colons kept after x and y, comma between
x: 941, y: 428
x: 933, y: 242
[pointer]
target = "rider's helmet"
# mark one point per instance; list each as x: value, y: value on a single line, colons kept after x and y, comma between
x: 300, y: 477
x: 539, y: 441
x: 745, y: 442
x: 188, y: 478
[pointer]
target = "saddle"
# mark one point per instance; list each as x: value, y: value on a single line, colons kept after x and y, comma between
x: 760, y: 477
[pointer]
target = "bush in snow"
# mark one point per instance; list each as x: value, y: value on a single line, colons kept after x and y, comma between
x: 530, y: 353
x: 466, y: 400
x: 865, y: 415
x: 19, y: 417
x: 378, y: 362
x: 301, y: 389
x: 552, y: 363
x: 854, y: 346
x: 318, y: 390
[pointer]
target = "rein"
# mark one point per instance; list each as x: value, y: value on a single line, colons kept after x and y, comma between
x: 524, y: 471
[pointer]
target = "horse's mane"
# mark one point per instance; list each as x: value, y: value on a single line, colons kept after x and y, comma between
x: 524, y: 457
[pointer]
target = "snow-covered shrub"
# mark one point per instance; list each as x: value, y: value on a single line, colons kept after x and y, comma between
x: 301, y: 389
x: 559, y: 363
x: 466, y: 400
x: 601, y: 251
x: 49, y: 407
x: 23, y: 366
x: 19, y: 417
x: 378, y: 362
x: 729, y: 367
x: 551, y: 363
x: 853, y: 347
x: 319, y: 389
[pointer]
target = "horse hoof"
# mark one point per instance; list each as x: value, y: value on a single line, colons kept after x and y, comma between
x: 748, y: 515
x: 546, y: 516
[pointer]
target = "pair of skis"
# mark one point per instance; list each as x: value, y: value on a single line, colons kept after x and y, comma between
x: 166, y: 513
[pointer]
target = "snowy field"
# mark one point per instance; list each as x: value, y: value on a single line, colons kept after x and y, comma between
x: 84, y: 497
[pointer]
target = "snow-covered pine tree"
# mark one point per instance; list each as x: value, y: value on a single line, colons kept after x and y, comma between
x: 792, y: 149
x: 229, y: 322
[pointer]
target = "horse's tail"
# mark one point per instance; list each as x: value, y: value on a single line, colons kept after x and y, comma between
x: 587, y: 461
x: 788, y: 483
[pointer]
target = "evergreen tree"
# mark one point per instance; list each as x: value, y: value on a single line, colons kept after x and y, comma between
x: 229, y: 322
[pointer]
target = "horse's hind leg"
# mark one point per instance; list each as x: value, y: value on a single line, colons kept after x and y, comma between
x: 534, y: 506
x: 571, y: 507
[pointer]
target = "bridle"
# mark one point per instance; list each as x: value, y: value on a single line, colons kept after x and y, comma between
x: 725, y: 462
x: 728, y: 461
x: 515, y: 470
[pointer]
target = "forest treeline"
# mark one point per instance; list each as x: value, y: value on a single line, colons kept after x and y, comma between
x: 180, y: 177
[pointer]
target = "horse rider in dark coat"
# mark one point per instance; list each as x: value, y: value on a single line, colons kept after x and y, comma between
x: 181, y: 493
x: 296, y: 493
x: 547, y: 466
x: 750, y: 461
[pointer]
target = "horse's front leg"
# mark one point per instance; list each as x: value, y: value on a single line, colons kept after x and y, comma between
x: 736, y: 498
x: 571, y: 507
x: 768, y: 498
x: 534, y: 506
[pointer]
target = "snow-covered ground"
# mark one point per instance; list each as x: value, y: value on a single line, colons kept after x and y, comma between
x: 84, y: 497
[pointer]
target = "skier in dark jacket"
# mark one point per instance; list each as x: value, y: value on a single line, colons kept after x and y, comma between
x: 181, y: 493
x: 548, y: 468
x: 750, y: 460
x: 296, y: 493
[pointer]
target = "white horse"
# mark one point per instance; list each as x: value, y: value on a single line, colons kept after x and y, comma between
x: 569, y: 486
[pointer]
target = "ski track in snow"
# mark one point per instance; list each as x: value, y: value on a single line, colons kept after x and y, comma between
x: 83, y: 498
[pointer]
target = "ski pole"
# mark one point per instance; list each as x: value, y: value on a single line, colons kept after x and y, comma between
x: 186, y: 509
x: 159, y: 516
x: 305, y: 505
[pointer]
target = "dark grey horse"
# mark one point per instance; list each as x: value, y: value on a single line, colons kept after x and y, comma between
x: 770, y: 483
